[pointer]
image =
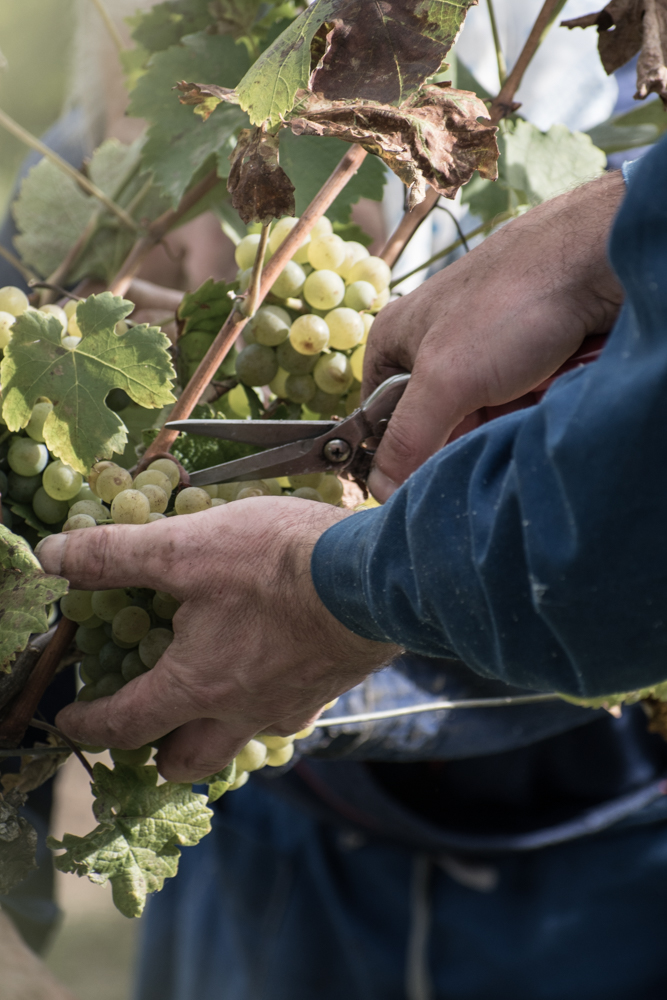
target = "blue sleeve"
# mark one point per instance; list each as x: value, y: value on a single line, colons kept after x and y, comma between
x: 535, y: 548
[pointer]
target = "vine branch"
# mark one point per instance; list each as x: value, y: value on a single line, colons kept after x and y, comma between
x: 109, y: 25
x: 18, y: 265
x: 33, y: 142
x: 500, y: 58
x: 235, y: 322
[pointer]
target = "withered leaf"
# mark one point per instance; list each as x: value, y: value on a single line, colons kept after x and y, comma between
x: 205, y: 97
x: 260, y: 188
x: 35, y: 770
x: 626, y: 27
x: 18, y: 844
x: 434, y: 138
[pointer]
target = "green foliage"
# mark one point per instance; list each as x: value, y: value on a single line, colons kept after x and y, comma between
x: 179, y: 144
x: 607, y: 701
x: 81, y: 428
x: 202, y: 313
x: 309, y: 160
x: 25, y: 592
x: 141, y: 827
x: 351, y: 231
x: 533, y: 167
x: 194, y: 451
x: 640, y: 127
x: 219, y: 783
x: 166, y: 23
x: 26, y: 512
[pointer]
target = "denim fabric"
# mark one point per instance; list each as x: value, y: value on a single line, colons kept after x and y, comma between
x: 534, y: 548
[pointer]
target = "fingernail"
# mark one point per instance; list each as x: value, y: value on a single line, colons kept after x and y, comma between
x: 50, y: 553
x: 381, y: 486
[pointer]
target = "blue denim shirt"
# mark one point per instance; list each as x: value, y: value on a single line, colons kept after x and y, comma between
x: 535, y: 548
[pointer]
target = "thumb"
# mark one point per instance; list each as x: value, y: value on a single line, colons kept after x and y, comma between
x: 420, y: 425
x: 118, y: 555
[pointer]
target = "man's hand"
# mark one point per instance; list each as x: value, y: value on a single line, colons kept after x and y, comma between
x: 494, y: 324
x: 254, y: 646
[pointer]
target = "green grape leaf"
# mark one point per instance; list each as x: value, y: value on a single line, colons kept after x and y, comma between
x: 25, y: 592
x: 351, y: 231
x: 309, y: 160
x: 81, y: 429
x: 200, y: 316
x: 166, y: 23
x: 533, y: 167
x: 18, y: 844
x: 179, y: 143
x: 196, y: 452
x: 640, y: 127
x: 261, y: 190
x: 658, y: 691
x: 352, y: 50
x: 141, y: 827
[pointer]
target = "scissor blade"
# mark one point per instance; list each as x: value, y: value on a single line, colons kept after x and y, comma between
x: 259, y: 432
x: 287, y: 460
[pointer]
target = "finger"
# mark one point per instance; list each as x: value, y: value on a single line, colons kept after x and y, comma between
x: 201, y: 748
x: 142, y: 711
x: 392, y: 344
x: 420, y: 426
x: 118, y: 555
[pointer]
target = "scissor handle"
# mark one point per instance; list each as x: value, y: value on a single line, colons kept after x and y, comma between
x: 381, y: 403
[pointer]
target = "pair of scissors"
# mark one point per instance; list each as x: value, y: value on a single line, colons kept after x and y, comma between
x: 301, y: 446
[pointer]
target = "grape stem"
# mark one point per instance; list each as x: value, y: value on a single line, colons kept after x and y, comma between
x: 251, y: 298
x: 435, y: 706
x: 13, y: 127
x: 12, y: 729
x: 18, y: 265
x: 502, y: 106
x: 500, y: 58
x: 48, y: 728
x: 235, y: 322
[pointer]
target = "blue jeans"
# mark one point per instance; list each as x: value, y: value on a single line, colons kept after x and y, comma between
x: 276, y: 905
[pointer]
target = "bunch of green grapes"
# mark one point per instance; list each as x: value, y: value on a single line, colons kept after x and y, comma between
x: 308, y: 346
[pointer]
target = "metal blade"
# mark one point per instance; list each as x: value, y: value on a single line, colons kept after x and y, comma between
x: 287, y: 460
x: 259, y: 432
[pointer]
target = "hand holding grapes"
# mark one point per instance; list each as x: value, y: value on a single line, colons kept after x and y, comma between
x: 254, y: 647
x: 494, y: 324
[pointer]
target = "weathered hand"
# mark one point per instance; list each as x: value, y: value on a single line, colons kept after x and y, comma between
x: 494, y: 324
x: 254, y: 646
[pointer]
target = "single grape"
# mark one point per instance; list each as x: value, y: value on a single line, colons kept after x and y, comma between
x: 92, y: 668
x: 331, y: 489
x: 324, y: 290
x: 47, y: 509
x: 228, y: 491
x: 309, y: 334
x: 70, y: 308
x: 322, y: 227
x: 73, y: 328
x: 255, y: 484
x: 372, y: 269
x: 132, y: 666
x: 256, y: 365
x: 27, y: 457
x: 87, y: 693
x: 54, y: 310
x: 164, y: 605
x: 131, y: 624
x: 111, y: 657
x: 252, y: 757
x: 13, y: 300
x: 277, y: 384
x: 89, y: 640
x: 170, y: 469
x: 324, y: 403
x: 311, y: 479
x: 215, y: 502
x: 84, y: 674
x: 357, y: 362
x: 276, y: 758
x: 247, y: 492
x: 327, y: 252
x: 70, y: 343
x: 192, y: 500
x: 346, y: 328
x: 274, y: 487
x: 238, y: 401
x: 155, y: 517
x: 293, y: 361
x: 109, y: 685
x: 153, y: 477
x: 22, y: 488
x: 60, y: 481
x: 130, y: 507
x: 368, y: 322
x: 290, y: 281
x: 244, y: 278
x: 98, y: 468
x: 360, y: 295
x: 6, y: 323
x: 303, y: 733
x: 89, y: 507
x: 248, y: 335
x: 352, y: 401
x: 117, y: 400
x: 153, y: 645
x: 78, y: 521
x: 270, y: 326
x: 281, y: 230
x: 300, y: 388
x: 35, y: 427
x: 157, y: 498
x: 333, y: 373
x: 354, y: 252
x: 246, y: 251
x: 121, y: 328
x: 239, y: 781
x: 76, y: 605
x: 275, y: 742
x: 306, y: 493
x: 381, y: 300
x: 107, y: 603
x: 111, y: 482
x: 132, y: 758
x: 92, y: 622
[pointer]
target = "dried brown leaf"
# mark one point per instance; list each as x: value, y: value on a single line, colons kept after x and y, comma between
x: 205, y: 97
x: 35, y: 770
x: 434, y: 138
x: 626, y: 27
x: 260, y: 188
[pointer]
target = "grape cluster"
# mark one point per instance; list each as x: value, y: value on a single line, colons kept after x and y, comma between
x: 308, y: 345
